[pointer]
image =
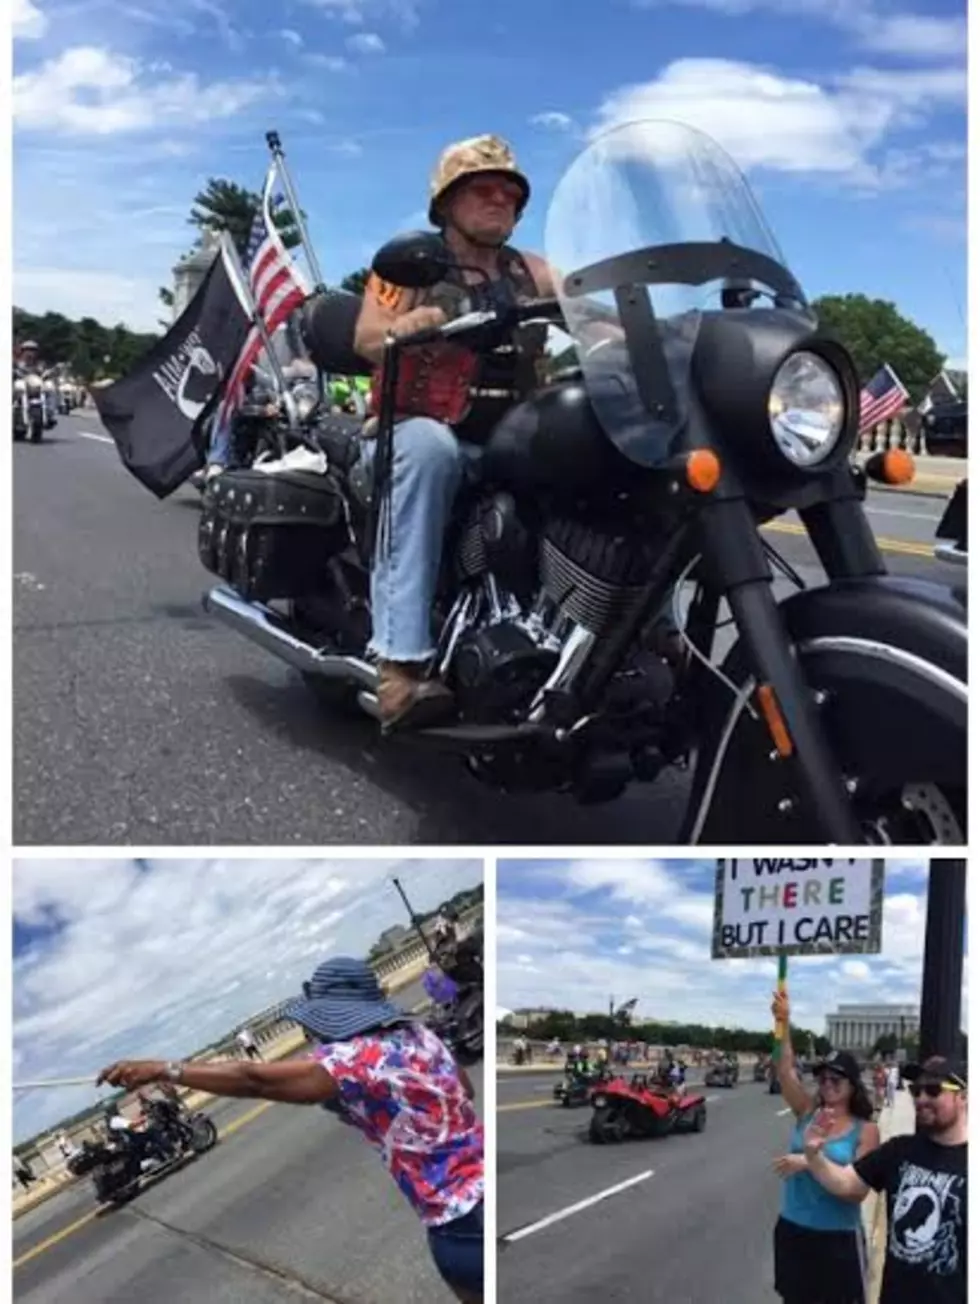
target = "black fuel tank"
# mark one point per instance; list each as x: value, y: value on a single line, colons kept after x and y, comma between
x: 553, y: 440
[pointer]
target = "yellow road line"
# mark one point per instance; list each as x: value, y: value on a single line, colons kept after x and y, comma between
x: 35, y: 1250
x: 905, y: 546
x: 46, y: 1244
x: 524, y: 1104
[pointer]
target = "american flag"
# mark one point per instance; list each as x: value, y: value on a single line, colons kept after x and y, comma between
x: 882, y: 397
x: 277, y: 287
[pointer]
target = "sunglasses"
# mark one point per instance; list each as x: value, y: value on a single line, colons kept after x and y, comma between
x: 933, y: 1089
x: 490, y: 189
x: 834, y: 1078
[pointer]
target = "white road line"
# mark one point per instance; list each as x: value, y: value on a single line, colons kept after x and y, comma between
x: 576, y: 1208
x: 89, y: 434
x: 911, y: 516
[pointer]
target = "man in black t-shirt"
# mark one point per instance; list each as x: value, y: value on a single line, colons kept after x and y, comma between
x: 924, y: 1178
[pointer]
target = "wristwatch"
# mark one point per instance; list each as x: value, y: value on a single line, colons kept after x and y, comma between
x: 175, y: 1071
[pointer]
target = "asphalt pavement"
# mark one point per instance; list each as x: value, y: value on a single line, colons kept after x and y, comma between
x: 291, y: 1204
x: 139, y: 720
x: 686, y: 1219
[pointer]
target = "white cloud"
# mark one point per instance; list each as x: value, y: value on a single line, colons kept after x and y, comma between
x: 332, y: 62
x: 102, y: 294
x: 405, y: 13
x: 366, y: 43
x: 768, y: 120
x: 552, y: 120
x: 201, y: 945
x: 584, y: 947
x: 915, y: 36
x: 27, y: 20
x: 291, y: 37
x: 90, y: 90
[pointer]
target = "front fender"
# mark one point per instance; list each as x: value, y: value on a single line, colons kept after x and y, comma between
x: 890, y: 655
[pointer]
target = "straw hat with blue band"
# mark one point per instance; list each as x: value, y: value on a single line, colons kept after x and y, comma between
x: 343, y: 999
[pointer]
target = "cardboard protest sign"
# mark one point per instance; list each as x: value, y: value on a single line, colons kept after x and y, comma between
x: 775, y: 906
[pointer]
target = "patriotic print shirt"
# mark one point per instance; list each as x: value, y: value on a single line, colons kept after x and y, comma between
x: 402, y: 1090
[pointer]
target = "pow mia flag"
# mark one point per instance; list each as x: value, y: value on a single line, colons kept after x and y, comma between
x: 156, y: 413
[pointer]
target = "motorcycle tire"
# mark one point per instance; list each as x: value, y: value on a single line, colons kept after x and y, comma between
x: 37, y: 432
x: 204, y: 1135
x: 699, y: 1120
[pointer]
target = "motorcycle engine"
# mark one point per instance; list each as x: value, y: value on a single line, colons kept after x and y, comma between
x: 496, y: 671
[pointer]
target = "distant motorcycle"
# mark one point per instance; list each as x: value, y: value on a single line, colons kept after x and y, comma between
x: 29, y: 419
x: 118, y: 1163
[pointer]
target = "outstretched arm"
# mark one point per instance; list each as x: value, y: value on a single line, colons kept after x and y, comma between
x: 296, y: 1082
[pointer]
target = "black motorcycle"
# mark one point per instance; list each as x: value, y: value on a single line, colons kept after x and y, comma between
x: 706, y: 401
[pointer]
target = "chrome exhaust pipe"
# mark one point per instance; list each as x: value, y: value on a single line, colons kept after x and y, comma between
x: 265, y: 627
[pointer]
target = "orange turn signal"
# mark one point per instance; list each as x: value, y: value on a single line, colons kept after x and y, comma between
x: 773, y: 717
x: 702, y: 470
x: 898, y: 467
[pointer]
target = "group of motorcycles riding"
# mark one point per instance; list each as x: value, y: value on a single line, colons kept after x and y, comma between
x: 122, y: 1157
x: 39, y: 397
x: 634, y: 485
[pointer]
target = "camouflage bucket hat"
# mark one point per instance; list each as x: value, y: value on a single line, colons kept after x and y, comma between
x: 468, y: 158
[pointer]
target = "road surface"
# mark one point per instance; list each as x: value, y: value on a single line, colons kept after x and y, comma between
x: 291, y: 1205
x: 686, y: 1219
x: 139, y: 720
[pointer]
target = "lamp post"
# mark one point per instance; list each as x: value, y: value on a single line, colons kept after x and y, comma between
x: 942, y: 969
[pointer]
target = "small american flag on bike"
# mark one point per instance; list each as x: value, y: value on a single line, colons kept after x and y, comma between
x: 882, y: 398
x: 277, y: 285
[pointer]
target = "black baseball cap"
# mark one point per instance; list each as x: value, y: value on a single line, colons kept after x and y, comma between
x: 938, y: 1068
x: 841, y: 1062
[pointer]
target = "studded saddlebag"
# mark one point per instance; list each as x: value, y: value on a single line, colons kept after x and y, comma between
x: 271, y: 536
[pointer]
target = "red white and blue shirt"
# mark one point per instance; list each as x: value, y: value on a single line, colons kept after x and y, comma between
x: 401, y: 1089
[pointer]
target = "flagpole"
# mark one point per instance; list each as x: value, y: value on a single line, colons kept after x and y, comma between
x: 56, y: 1082
x: 236, y: 274
x: 279, y: 162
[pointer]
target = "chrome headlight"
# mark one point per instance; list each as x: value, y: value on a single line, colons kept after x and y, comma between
x: 598, y: 1101
x: 305, y: 397
x: 806, y: 409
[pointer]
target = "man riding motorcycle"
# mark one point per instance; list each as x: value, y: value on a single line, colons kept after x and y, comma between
x: 448, y: 403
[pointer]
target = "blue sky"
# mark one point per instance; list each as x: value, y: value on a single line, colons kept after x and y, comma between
x: 124, y: 959
x: 572, y: 933
x: 849, y: 116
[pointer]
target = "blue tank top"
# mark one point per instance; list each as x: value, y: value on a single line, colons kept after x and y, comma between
x: 805, y: 1202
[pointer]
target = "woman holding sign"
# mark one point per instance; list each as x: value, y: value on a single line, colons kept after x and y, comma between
x: 819, y: 1244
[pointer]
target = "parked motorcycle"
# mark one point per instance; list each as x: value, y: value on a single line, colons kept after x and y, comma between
x: 118, y: 1162
x: 693, y: 416
x: 29, y: 419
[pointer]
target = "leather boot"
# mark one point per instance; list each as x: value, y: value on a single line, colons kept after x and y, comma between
x: 407, y: 701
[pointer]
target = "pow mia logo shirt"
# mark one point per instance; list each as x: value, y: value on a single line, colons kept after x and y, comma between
x: 925, y: 1185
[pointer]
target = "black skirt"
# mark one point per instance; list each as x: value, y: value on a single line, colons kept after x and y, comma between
x: 815, y: 1267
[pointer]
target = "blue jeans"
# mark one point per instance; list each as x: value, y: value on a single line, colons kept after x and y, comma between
x: 219, y: 448
x: 428, y: 467
x: 457, y: 1249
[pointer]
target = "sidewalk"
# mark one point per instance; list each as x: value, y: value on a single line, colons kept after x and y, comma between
x: 897, y: 1121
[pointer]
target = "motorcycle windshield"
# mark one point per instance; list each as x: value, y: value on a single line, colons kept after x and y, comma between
x: 640, y: 232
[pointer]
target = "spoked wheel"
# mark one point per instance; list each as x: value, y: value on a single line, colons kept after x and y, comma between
x: 921, y: 814
x: 204, y: 1135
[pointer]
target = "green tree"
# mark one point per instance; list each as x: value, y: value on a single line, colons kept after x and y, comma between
x: 355, y: 282
x: 875, y: 332
x: 886, y: 1044
x: 224, y: 205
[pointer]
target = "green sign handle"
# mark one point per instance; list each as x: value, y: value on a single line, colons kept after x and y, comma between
x: 780, y: 987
